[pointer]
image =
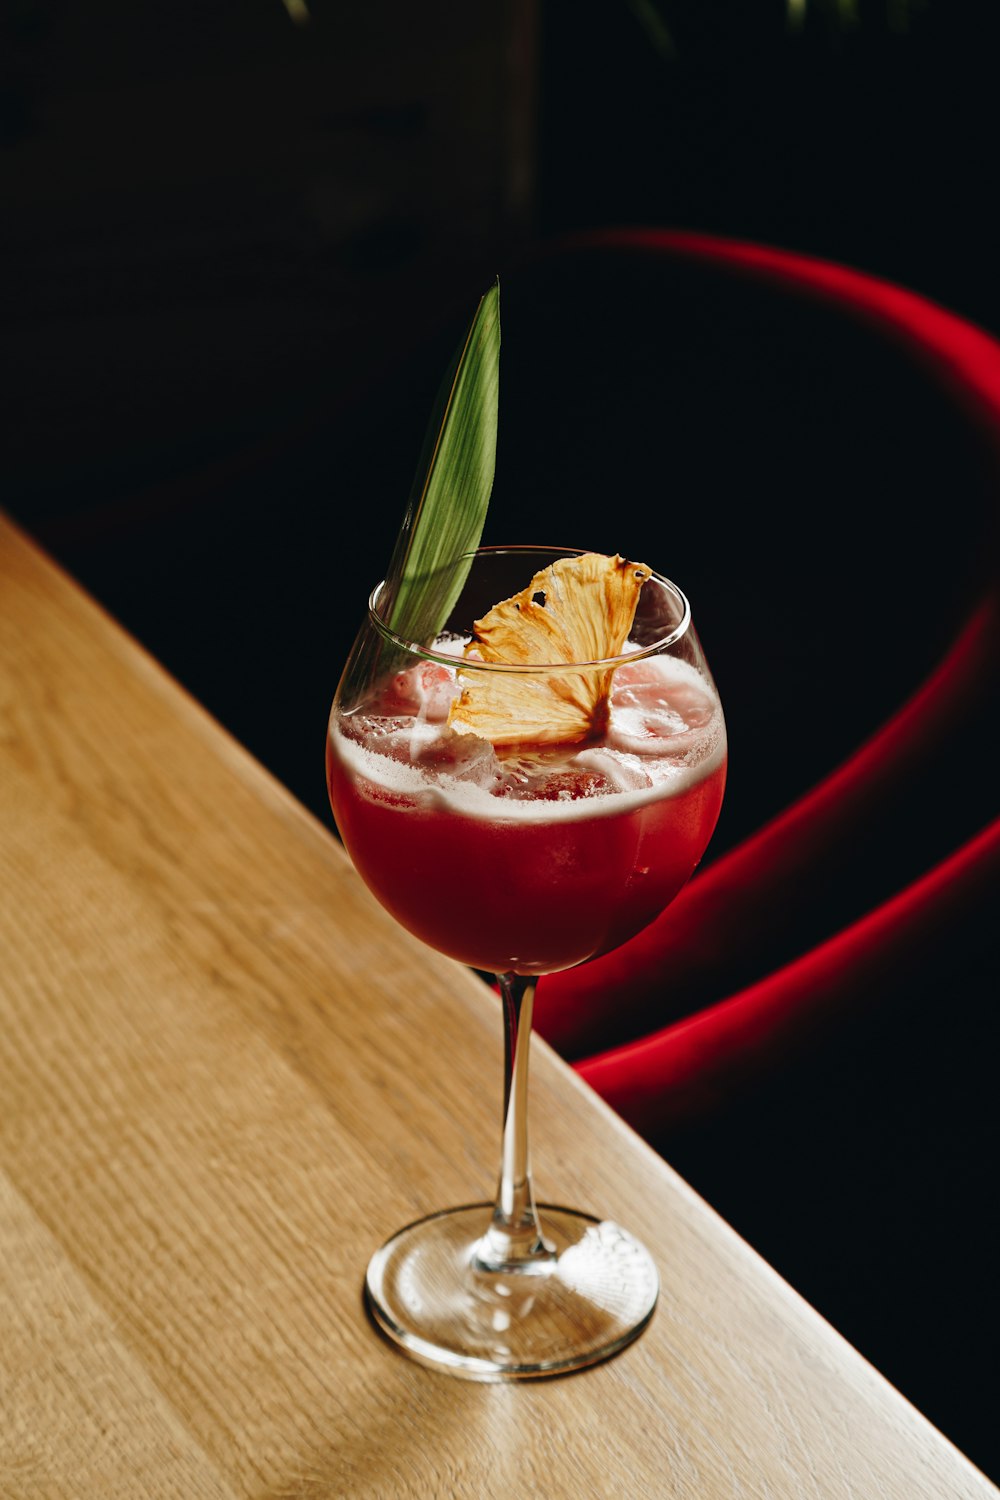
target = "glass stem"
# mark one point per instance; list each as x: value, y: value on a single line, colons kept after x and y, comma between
x: 514, y: 1235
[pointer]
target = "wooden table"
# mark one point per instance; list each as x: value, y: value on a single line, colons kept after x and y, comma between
x: 217, y: 1096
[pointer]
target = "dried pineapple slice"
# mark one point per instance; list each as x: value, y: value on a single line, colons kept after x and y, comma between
x: 579, y: 609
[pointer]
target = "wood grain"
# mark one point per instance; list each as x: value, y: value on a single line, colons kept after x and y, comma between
x: 225, y: 1076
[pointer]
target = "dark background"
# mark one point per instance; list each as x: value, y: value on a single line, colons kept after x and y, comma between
x: 238, y: 244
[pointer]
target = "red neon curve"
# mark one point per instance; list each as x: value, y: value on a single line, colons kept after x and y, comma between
x: 646, y: 1080
x: 639, y: 1077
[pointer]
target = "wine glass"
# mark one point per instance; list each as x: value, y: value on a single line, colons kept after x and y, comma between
x: 520, y: 861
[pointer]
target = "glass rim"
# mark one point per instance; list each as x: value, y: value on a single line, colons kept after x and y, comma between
x: 450, y: 659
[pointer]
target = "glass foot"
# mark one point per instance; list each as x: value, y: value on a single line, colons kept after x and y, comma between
x: 591, y: 1291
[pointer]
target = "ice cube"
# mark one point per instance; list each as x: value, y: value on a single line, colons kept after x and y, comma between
x: 658, y: 708
x: 397, y: 737
x: 540, y: 777
x: 425, y: 691
x: 460, y: 757
x: 623, y: 771
x: 434, y: 688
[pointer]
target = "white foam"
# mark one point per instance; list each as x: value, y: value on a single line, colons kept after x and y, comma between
x: 648, y: 753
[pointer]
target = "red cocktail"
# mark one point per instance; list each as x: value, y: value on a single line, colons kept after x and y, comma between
x: 534, y: 860
x: 523, y: 812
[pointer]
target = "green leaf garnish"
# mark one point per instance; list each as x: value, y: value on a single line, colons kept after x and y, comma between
x: 451, y: 493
